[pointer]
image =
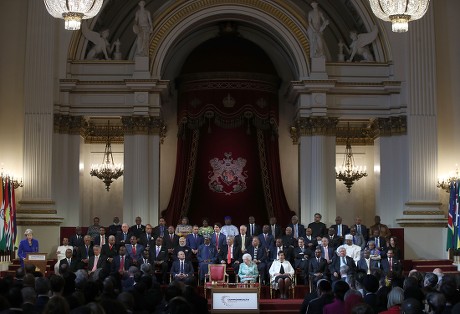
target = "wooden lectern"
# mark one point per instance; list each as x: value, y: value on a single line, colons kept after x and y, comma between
x: 37, y: 259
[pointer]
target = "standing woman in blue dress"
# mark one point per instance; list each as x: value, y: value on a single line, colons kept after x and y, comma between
x: 28, y: 245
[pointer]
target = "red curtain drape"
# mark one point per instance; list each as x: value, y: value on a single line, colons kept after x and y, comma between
x: 217, y: 118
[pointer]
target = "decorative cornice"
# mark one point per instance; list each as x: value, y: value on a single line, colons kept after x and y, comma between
x: 169, y: 20
x: 357, y: 135
x: 389, y: 126
x: 97, y: 133
x: 144, y: 125
x: 37, y: 211
x: 313, y: 126
x: 423, y: 212
x: 66, y: 124
x: 423, y: 224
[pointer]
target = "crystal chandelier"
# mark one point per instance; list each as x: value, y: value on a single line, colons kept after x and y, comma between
x: 444, y: 183
x: 73, y: 11
x: 349, y: 173
x: 107, y: 171
x: 399, y: 12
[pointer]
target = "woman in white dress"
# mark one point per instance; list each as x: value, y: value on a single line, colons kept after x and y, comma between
x: 281, y: 274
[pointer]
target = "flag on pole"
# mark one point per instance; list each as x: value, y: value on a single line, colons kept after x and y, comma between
x: 7, y: 210
x: 2, y: 217
x: 457, y: 216
x: 14, y: 229
x: 452, y: 219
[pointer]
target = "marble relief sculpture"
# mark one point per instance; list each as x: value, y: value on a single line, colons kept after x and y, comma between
x: 316, y: 25
x: 360, y: 45
x: 101, y: 46
x: 142, y: 27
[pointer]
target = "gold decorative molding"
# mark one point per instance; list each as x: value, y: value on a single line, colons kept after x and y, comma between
x: 423, y: 224
x: 144, y: 125
x: 38, y: 222
x: 37, y: 211
x: 182, y: 10
x: 313, y: 126
x: 97, y: 133
x: 423, y: 212
x: 66, y: 124
x: 389, y: 126
x: 36, y: 202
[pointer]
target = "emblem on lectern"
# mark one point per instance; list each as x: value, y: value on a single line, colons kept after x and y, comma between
x: 227, y: 175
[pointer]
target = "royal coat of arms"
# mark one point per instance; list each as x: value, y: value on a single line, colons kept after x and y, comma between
x: 227, y: 175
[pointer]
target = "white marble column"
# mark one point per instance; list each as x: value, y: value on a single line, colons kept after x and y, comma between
x: 317, y: 187
x: 422, y: 217
x: 37, y: 208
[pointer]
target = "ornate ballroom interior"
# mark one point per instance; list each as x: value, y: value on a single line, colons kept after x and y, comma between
x: 232, y: 81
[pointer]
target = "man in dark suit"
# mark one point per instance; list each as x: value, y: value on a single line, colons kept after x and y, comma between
x: 184, y: 248
x: 360, y: 228
x: 288, y: 238
x: 391, y: 264
x: 230, y: 255
x: 327, y: 252
x: 194, y: 240
x: 218, y: 239
x: 253, y: 228
x: 145, y: 259
x: 342, y: 265
x: 134, y: 249
x: 318, y: 267
x: 146, y: 239
x: 207, y: 254
x: 275, y: 229
x: 318, y: 228
x: 298, y: 230
x: 161, y: 229
x: 76, y: 240
x: 115, y: 227
x: 279, y: 246
x: 340, y: 229
x: 367, y: 264
x: 265, y: 238
x: 69, y: 260
x: 380, y: 242
x: 310, y: 241
x: 138, y: 228
x: 102, y: 238
x: 182, y: 270
x: 109, y: 250
x: 243, y: 240
x: 159, y: 257
x: 259, y: 257
x: 171, y: 240
x: 121, y: 263
x: 123, y: 237
x: 97, y: 261
x: 334, y: 240
x: 84, y: 252
x: 301, y: 255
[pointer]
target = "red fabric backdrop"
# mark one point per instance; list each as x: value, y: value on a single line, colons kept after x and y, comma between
x: 208, y: 203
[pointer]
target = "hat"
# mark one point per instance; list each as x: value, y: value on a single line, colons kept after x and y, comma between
x: 227, y: 218
x: 348, y: 237
x: 207, y: 236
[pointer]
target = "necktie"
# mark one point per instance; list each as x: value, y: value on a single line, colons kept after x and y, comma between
x: 171, y: 236
x: 343, y: 260
x: 377, y: 242
x: 368, y: 262
x: 354, y: 240
x: 359, y: 228
x: 252, y: 229
x: 326, y: 253
x: 158, y: 251
x: 124, y: 236
x: 122, y: 263
x: 68, y: 261
x: 181, y: 267
x: 162, y: 232
x: 96, y: 258
x: 255, y: 253
x: 217, y: 241
x: 273, y: 230
x: 265, y: 236
x: 296, y: 232
x: 339, y: 230
x: 317, y: 260
x: 390, y: 261
x: 229, y: 255
x: 102, y: 240
x: 87, y: 251
x: 243, y: 242
x: 134, y: 250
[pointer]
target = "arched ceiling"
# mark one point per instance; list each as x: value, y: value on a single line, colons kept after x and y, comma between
x: 344, y: 16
